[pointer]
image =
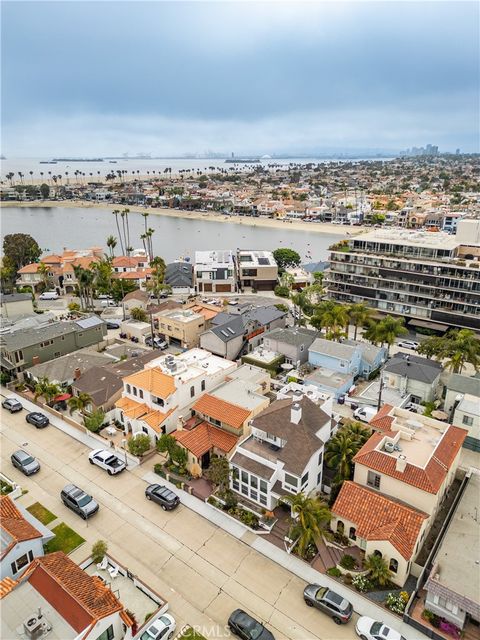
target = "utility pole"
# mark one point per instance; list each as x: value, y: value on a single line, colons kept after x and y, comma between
x: 380, y: 393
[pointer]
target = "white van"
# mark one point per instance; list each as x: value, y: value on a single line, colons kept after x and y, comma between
x: 365, y: 414
x: 49, y: 295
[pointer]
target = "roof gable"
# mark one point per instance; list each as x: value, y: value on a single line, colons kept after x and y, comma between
x: 222, y: 410
x: 15, y: 524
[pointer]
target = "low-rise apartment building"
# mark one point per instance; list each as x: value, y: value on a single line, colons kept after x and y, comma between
x: 256, y: 270
x: 215, y: 272
x: 422, y: 276
x: 182, y: 327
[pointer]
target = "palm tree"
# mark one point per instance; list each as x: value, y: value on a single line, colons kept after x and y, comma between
x: 358, y: 431
x: 80, y: 403
x: 359, y: 313
x: 339, y: 453
x: 459, y: 347
x: 137, y: 313
x: 371, y: 332
x: 312, y: 517
x: 333, y: 317
x: 47, y: 390
x: 390, y: 328
x: 111, y: 244
x: 115, y: 213
x: 43, y: 270
x: 124, y: 214
x: 378, y: 570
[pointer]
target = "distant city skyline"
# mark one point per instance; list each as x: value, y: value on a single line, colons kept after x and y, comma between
x: 255, y: 78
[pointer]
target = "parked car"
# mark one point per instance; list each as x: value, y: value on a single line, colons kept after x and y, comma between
x: 108, y: 303
x: 79, y: 501
x: 162, y: 629
x: 243, y: 625
x: 157, y: 343
x: 26, y: 463
x: 162, y: 496
x: 12, y: 405
x: 104, y: 296
x: 39, y: 420
x: 107, y: 460
x: 414, y: 407
x: 49, y: 295
x: 326, y: 600
x: 364, y: 414
x: 408, y: 344
x: 369, y: 629
x: 112, y: 325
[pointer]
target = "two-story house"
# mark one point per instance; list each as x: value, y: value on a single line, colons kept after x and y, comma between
x: 283, y: 455
x: 23, y: 537
x: 415, y: 376
x: 293, y: 343
x: 215, y: 272
x: 153, y: 399
x: 462, y: 402
x: 257, y: 270
x: 411, y: 461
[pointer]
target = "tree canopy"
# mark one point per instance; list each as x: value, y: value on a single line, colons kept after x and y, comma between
x: 286, y: 258
x: 20, y: 249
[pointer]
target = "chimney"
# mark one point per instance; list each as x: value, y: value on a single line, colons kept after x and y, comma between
x: 35, y: 360
x: 180, y: 423
x: 401, y: 463
x: 295, y: 413
x: 77, y: 373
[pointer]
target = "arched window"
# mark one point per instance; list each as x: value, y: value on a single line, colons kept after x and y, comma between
x: 340, y: 527
x: 393, y: 565
x: 352, y: 534
x: 377, y: 553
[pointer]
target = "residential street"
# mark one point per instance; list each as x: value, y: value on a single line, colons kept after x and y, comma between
x: 203, y: 572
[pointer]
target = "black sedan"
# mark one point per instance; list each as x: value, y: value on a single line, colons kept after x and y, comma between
x: 326, y: 600
x: 243, y: 625
x: 38, y: 419
x: 162, y: 496
x: 112, y: 325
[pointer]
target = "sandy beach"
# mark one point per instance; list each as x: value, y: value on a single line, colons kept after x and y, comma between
x: 313, y: 227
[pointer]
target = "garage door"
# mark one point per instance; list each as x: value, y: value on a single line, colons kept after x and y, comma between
x: 219, y: 288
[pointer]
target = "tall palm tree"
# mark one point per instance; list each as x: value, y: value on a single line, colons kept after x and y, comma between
x: 378, y: 570
x: 359, y: 313
x: 459, y: 347
x: 339, y: 453
x: 47, y: 390
x: 125, y: 213
x: 312, y: 517
x: 358, y: 431
x: 111, y: 244
x: 390, y: 328
x: 43, y: 270
x: 115, y: 212
x: 333, y: 317
x: 372, y: 333
x: 81, y: 403
x: 149, y: 234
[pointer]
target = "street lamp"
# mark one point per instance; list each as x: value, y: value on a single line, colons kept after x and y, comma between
x: 124, y: 445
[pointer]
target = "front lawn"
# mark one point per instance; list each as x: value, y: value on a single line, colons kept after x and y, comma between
x: 191, y: 634
x: 65, y: 539
x: 41, y: 513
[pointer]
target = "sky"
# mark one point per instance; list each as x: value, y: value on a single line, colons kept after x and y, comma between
x: 170, y: 78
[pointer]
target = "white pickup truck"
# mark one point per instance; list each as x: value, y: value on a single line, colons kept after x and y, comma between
x: 107, y: 460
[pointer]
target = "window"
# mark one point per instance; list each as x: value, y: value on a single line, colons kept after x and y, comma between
x: 393, y: 566
x: 202, y: 385
x: 468, y: 420
x: 253, y: 495
x: 302, y: 348
x: 291, y: 480
x: 319, y: 478
x: 352, y: 534
x: 254, y: 482
x: 140, y: 393
x: 305, y: 479
x: 145, y: 430
x: 134, y: 391
x: 192, y: 391
x: 373, y: 480
x: 244, y: 476
x: 263, y: 486
x: 129, y: 389
x: 244, y: 489
x: 263, y: 499
x: 377, y: 553
x: 22, y: 562
x: 215, y: 422
x: 340, y: 528
x: 320, y: 458
x: 107, y: 634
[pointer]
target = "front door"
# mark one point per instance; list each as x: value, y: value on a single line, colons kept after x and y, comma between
x: 205, y: 461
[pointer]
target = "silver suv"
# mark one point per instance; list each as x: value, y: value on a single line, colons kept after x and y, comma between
x: 77, y: 500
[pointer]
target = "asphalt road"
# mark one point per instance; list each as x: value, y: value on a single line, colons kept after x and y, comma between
x: 203, y: 572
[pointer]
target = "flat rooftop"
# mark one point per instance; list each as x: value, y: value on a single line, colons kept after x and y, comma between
x: 437, y: 240
x: 191, y: 364
x: 240, y: 393
x: 328, y: 378
x: 458, y: 557
x: 249, y: 373
x: 217, y: 258
x: 416, y: 437
x: 22, y: 603
x: 261, y: 354
x: 181, y: 315
x: 256, y: 258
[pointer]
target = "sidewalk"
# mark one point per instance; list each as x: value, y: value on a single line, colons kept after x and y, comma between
x: 89, y: 440
x: 361, y: 605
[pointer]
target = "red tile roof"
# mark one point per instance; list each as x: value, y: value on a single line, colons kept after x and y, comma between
x: 222, y: 410
x: 204, y: 437
x: 13, y: 522
x: 428, y: 479
x: 382, y: 421
x: 79, y: 598
x: 377, y: 517
x: 6, y: 585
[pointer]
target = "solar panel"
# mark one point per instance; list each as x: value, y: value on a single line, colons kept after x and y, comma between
x: 263, y: 261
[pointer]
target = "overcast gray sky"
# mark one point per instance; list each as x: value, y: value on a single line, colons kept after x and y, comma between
x: 175, y: 77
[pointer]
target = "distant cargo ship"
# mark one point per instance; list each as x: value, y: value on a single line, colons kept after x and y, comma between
x: 78, y: 160
x: 243, y: 160
x: 48, y: 162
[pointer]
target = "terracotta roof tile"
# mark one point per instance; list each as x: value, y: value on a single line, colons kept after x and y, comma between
x: 377, y: 517
x: 6, y: 585
x: 428, y: 479
x: 153, y: 380
x: 382, y: 421
x: 29, y: 268
x: 13, y: 522
x: 222, y: 410
x: 204, y: 437
x: 155, y: 419
x: 131, y: 408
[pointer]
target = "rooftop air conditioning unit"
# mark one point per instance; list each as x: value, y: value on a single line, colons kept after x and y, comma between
x: 389, y: 447
x: 33, y: 627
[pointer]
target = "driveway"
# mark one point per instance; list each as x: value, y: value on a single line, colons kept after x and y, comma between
x: 204, y: 572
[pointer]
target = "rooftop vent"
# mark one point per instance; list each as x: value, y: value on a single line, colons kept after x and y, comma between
x: 389, y: 447
x: 295, y: 413
x: 401, y: 463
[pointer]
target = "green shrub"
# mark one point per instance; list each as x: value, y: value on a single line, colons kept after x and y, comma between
x: 334, y: 572
x: 5, y: 378
x: 5, y: 488
x: 281, y: 291
x: 139, y: 444
x: 361, y: 583
x: 230, y: 500
x: 158, y: 468
x: 428, y: 615
x: 249, y: 518
x: 395, y: 603
x: 347, y: 561
x: 99, y: 550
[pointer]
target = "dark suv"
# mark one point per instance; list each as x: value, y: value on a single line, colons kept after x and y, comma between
x: 79, y: 501
x: 38, y: 419
x: 162, y: 496
x: 334, y: 605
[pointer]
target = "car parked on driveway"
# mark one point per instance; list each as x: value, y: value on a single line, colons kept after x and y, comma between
x: 365, y: 414
x: 369, y: 629
x: 79, y: 501
x: 162, y: 629
x: 112, y: 325
x: 26, y: 463
x: 107, y: 460
x: 157, y: 343
x: 326, y: 600
x: 162, y: 496
x: 243, y: 625
x: 12, y: 405
x: 408, y: 344
x: 38, y: 419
